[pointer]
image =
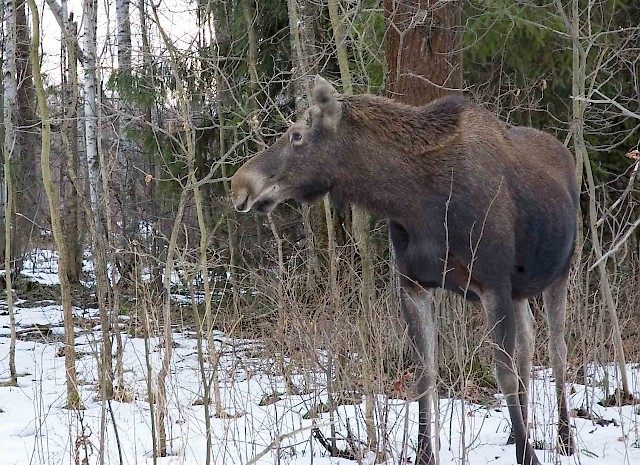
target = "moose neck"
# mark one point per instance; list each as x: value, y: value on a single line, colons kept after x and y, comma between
x: 391, y: 154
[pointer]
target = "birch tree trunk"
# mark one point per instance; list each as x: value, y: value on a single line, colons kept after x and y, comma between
x: 9, y: 93
x: 2, y: 128
x: 96, y: 193
x: 125, y: 189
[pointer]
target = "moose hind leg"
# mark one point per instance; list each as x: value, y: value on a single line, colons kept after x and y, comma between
x: 555, y: 303
x: 501, y: 317
x: 417, y: 307
x: 525, y: 340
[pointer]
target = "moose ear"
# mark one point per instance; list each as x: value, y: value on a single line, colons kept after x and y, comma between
x: 326, y: 99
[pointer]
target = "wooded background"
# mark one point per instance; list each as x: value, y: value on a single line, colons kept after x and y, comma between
x: 123, y: 150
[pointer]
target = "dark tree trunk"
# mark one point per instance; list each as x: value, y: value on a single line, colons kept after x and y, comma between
x: 26, y: 170
x: 422, y: 47
x: 69, y: 205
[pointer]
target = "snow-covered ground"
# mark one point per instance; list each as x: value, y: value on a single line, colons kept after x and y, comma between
x: 35, y: 428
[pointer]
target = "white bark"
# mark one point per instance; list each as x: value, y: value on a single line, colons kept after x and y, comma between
x: 9, y: 83
x: 90, y: 106
x: 100, y: 248
x: 9, y: 74
x: 124, y: 35
x: 9, y: 68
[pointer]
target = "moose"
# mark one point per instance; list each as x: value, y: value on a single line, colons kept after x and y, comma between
x: 474, y: 206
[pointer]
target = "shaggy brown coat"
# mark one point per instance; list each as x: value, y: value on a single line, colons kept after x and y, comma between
x: 475, y: 207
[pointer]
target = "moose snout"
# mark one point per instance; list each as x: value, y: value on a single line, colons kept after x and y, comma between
x: 240, y: 190
x: 251, y: 189
x: 240, y: 201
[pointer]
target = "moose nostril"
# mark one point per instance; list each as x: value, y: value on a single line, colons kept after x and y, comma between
x: 241, y: 202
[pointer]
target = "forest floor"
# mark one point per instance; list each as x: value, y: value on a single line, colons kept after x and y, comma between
x: 261, y: 423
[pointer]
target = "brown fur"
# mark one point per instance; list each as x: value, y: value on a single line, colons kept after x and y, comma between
x: 477, y: 208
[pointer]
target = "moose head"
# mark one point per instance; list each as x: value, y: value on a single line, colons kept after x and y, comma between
x: 295, y: 166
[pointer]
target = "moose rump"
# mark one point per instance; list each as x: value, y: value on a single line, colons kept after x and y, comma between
x: 482, y: 210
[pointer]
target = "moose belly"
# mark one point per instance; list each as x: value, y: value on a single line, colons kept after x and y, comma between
x: 435, y: 270
x: 542, y: 255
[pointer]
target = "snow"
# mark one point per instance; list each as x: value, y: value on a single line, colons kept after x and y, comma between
x: 41, y: 266
x: 35, y: 428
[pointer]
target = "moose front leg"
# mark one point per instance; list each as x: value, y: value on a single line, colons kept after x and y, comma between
x: 417, y: 307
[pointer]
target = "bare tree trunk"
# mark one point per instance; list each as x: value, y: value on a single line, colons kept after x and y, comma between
x: 167, y: 337
x: 9, y: 92
x: 359, y: 221
x: 422, y: 46
x: 73, y: 397
x: 2, y: 113
x: 222, y: 99
x: 579, y: 79
x: 190, y: 151
x: 302, y: 15
x: 222, y: 38
x: 125, y: 184
x: 69, y: 132
x: 13, y: 381
x: 26, y: 187
x: 605, y: 286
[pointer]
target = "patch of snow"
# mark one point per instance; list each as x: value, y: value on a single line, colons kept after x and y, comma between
x: 35, y: 428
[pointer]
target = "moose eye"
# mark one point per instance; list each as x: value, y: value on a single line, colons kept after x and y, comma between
x: 295, y: 138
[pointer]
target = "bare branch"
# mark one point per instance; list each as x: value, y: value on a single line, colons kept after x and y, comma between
x: 63, y: 22
x: 608, y: 101
x: 615, y: 248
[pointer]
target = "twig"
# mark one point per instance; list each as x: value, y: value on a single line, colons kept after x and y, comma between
x: 624, y: 194
x: 334, y: 451
x: 615, y: 248
x: 277, y: 442
x: 115, y: 431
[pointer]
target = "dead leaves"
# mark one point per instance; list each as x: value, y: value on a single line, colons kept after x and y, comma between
x: 401, y: 383
x: 633, y: 154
